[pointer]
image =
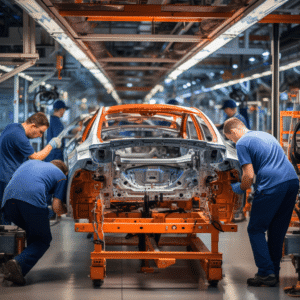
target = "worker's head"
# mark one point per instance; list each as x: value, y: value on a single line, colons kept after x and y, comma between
x: 229, y: 107
x: 36, y: 125
x: 59, y: 108
x: 234, y: 129
x: 61, y: 165
x: 173, y: 102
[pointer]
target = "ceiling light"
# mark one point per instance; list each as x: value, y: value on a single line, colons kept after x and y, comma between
x: 193, y: 82
x: 252, y: 59
x: 184, y: 86
x: 249, y: 18
x: 221, y: 72
x: 188, y: 84
x: 84, y: 100
x: 266, y: 53
x: 168, y: 80
x: 129, y: 84
x: 49, y: 24
x: 152, y: 101
x: 235, y: 66
x: 48, y: 86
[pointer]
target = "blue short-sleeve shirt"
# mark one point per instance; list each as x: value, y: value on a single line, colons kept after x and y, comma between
x: 270, y: 164
x: 34, y: 181
x: 55, y: 128
x: 15, y: 148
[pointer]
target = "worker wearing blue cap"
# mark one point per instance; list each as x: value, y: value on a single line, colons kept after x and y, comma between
x: 276, y: 188
x: 230, y: 108
x: 55, y: 128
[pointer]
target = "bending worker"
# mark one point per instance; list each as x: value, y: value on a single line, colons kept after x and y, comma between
x: 25, y: 204
x: 276, y: 189
x: 15, y: 147
x: 55, y: 128
x: 230, y: 109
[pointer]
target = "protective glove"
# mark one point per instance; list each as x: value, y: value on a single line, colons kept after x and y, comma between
x: 55, y: 142
x: 236, y: 187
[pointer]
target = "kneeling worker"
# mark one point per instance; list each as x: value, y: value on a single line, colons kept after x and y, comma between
x: 276, y: 189
x: 25, y: 204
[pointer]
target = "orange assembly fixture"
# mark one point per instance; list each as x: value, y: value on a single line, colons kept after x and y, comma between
x: 161, y: 222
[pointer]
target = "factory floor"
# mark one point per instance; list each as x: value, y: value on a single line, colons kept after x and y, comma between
x: 63, y: 274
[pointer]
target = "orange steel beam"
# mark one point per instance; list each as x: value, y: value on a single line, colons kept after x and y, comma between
x: 138, y: 88
x: 139, y: 13
x: 155, y: 228
x: 286, y: 19
x: 155, y: 255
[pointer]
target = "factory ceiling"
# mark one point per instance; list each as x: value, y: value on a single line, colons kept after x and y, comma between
x: 127, y: 51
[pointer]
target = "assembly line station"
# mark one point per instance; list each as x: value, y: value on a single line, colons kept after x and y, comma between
x: 104, y: 53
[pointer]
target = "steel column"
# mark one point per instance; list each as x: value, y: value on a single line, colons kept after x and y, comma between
x: 275, y: 81
x: 26, y: 100
x: 16, y: 99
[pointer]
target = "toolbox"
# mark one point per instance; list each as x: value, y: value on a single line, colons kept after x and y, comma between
x: 12, y: 240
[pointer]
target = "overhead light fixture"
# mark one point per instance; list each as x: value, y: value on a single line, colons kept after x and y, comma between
x: 193, y: 82
x: 235, y: 66
x: 129, y: 85
x: 228, y: 35
x: 251, y: 77
x: 252, y: 59
x: 54, y: 29
x: 221, y: 72
x: 168, y: 80
x: 21, y: 74
x: 188, y: 84
x: 266, y: 53
x: 152, y: 101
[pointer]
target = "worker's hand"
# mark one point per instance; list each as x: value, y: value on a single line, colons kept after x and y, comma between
x: 55, y: 142
x: 236, y: 187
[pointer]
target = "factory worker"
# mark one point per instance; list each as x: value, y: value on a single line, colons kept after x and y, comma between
x: 25, y: 204
x: 276, y: 189
x: 15, y: 147
x: 230, y: 109
x: 55, y: 128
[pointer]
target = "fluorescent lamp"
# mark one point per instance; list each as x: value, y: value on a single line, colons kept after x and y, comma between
x: 232, y: 32
x: 54, y: 29
x: 21, y: 74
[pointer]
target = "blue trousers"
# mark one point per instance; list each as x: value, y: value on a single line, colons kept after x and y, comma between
x: 2, y: 188
x: 271, y: 212
x: 35, y: 222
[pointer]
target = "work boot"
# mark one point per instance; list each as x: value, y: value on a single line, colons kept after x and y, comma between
x: 258, y: 280
x: 13, y: 272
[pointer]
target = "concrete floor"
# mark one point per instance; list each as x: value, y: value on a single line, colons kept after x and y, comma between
x: 63, y: 274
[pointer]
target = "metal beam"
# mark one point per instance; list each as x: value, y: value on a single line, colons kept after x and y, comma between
x: 35, y: 84
x: 17, y: 70
x: 16, y: 98
x: 275, y: 82
x: 20, y: 55
x: 129, y: 68
x: 136, y: 88
x: 141, y: 38
x: 137, y: 59
x: 240, y: 51
x: 285, y: 19
x: 140, y: 13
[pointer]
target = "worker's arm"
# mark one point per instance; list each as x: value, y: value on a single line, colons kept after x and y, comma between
x: 41, y: 155
x: 247, y: 177
x: 58, y: 207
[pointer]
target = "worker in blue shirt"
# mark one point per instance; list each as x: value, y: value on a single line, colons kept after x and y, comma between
x: 230, y: 109
x: 55, y: 128
x: 15, y: 147
x: 276, y: 189
x: 25, y: 204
